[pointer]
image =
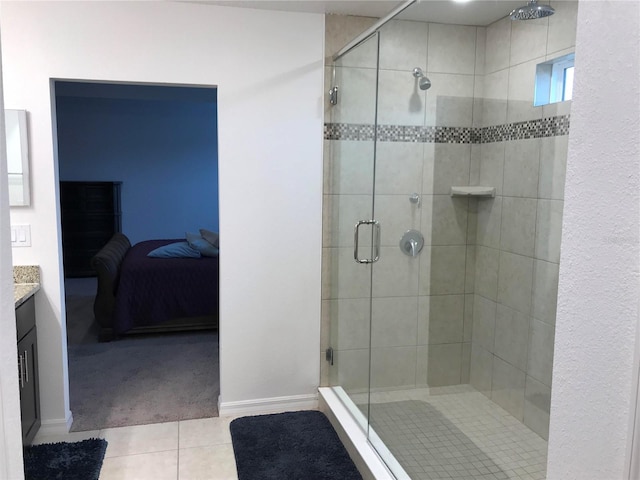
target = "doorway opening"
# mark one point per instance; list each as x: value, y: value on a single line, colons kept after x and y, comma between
x: 138, y: 164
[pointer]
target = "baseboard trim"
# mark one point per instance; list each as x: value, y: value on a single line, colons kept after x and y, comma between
x: 56, y: 426
x: 260, y: 406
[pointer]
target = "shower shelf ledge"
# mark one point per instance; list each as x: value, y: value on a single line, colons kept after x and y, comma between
x: 473, y: 191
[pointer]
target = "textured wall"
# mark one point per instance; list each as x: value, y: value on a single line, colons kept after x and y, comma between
x: 593, y: 385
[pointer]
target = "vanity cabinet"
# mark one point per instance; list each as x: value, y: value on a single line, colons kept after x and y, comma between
x: 28, y: 370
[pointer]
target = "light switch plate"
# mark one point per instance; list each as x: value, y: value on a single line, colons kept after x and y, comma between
x: 20, y: 235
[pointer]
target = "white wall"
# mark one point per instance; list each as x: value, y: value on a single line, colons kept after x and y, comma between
x: 10, y: 426
x: 593, y: 386
x: 268, y: 69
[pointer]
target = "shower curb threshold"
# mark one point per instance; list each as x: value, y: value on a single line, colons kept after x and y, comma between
x: 364, y: 455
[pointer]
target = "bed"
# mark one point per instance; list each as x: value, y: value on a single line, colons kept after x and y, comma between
x: 140, y: 294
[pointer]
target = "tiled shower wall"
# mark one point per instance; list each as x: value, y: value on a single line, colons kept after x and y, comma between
x: 518, y: 236
x: 478, y: 304
x: 419, y: 331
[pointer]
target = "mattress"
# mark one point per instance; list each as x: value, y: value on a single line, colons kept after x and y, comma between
x: 153, y: 290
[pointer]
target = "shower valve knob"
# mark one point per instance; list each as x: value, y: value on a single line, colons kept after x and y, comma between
x: 411, y: 243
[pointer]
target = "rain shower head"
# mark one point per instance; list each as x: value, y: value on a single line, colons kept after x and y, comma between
x: 531, y: 11
x: 424, y: 83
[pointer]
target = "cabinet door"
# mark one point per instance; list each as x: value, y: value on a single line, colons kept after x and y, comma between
x: 29, y: 393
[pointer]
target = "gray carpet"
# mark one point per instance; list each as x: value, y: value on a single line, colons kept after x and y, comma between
x: 139, y: 379
x: 79, y: 296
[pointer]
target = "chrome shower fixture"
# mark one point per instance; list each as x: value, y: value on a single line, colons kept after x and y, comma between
x: 531, y: 11
x: 424, y: 83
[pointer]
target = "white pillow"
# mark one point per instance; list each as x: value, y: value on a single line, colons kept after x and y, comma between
x: 212, y: 237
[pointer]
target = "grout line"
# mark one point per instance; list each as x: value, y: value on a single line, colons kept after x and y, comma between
x: 178, y: 453
x: 144, y: 453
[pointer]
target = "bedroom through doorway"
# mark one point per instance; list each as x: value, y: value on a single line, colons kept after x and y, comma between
x: 138, y: 171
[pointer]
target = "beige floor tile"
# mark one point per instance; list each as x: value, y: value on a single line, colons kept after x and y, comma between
x: 66, y: 437
x: 138, y: 439
x: 204, y: 432
x: 207, y: 463
x: 146, y: 466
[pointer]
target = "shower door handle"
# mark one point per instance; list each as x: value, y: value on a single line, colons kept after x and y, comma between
x: 376, y: 241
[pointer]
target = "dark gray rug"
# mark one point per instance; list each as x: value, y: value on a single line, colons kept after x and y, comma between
x: 144, y: 379
x: 65, y: 461
x: 292, y: 446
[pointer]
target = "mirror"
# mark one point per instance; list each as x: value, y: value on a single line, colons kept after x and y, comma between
x: 17, y: 157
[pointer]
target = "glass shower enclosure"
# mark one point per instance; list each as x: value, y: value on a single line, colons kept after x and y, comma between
x: 442, y: 219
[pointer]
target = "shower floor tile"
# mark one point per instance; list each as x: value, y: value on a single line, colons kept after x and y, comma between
x: 455, y: 433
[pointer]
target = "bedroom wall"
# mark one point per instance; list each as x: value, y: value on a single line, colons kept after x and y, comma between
x: 270, y: 166
x: 163, y: 150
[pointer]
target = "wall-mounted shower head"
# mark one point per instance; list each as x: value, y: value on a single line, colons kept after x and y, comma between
x: 424, y: 83
x: 531, y: 11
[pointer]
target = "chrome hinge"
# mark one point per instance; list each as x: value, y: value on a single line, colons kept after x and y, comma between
x: 328, y: 355
x: 333, y: 95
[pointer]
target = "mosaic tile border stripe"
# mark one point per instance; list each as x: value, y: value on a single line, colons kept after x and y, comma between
x: 544, y: 127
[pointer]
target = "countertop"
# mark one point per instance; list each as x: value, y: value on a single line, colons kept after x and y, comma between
x: 23, y: 291
x: 26, y: 280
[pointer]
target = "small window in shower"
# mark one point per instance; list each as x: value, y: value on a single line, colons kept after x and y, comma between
x: 554, y: 80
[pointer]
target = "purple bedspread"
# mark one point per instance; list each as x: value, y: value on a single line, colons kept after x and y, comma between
x: 154, y: 290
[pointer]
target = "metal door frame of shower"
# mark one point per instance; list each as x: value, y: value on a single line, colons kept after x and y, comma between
x: 370, y: 449
x: 374, y: 248
x: 364, y: 36
x: 359, y: 40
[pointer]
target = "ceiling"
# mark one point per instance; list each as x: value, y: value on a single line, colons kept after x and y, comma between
x: 474, y: 12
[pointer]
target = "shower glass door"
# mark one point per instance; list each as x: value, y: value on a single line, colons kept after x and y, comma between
x: 350, y: 231
x: 403, y: 207
x: 366, y: 295
x: 363, y: 298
